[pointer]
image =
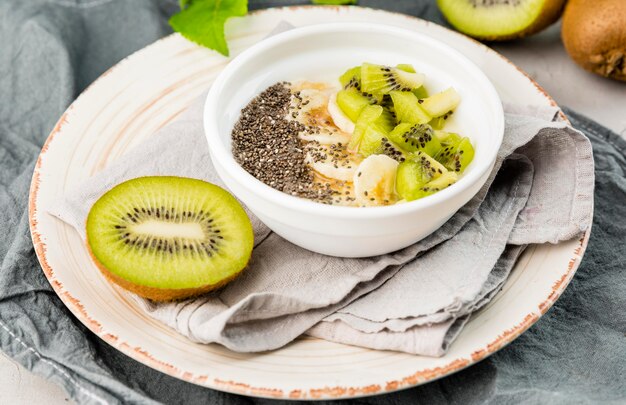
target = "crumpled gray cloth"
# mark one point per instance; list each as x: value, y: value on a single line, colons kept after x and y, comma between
x: 392, y: 301
x: 52, y: 49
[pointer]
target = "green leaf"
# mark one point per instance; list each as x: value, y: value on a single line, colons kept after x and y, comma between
x: 202, y: 21
x: 335, y: 2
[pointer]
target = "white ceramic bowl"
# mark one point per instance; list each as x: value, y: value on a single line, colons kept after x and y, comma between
x: 323, y: 52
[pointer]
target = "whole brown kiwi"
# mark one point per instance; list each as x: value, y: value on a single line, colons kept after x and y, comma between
x: 594, y: 34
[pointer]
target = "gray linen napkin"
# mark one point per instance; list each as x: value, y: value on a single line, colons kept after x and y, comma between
x: 287, y: 290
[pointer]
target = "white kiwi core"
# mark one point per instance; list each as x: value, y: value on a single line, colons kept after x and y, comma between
x: 169, y: 230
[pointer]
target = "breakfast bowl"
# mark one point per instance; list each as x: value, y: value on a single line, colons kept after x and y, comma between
x: 320, y: 53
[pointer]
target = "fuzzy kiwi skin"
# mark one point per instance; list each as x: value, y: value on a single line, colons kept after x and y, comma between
x: 550, y: 13
x: 594, y: 35
x: 160, y: 294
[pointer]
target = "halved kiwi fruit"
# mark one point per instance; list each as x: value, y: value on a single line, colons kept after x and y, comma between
x: 501, y: 19
x: 379, y: 79
x: 167, y: 238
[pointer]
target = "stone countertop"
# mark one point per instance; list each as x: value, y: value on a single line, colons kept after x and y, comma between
x: 542, y: 57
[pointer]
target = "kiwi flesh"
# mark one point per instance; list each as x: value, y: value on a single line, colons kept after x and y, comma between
x: 456, y: 153
x: 414, y: 173
x: 497, y: 20
x: 351, y: 79
x: 414, y: 137
x: 445, y: 180
x: 379, y: 79
x: 407, y: 108
x: 420, y: 92
x: 167, y: 238
x: 438, y: 122
x: 376, y: 142
x: 376, y: 119
x: 392, y: 149
x: 352, y: 102
x: 441, y: 103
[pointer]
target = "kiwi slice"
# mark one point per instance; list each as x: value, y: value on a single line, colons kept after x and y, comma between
x: 456, y: 153
x: 420, y: 92
x: 406, y: 67
x: 447, y: 138
x: 437, y: 122
x: 414, y: 173
x: 378, y: 79
x: 414, y: 137
x: 375, y: 117
x: 391, y: 149
x: 376, y: 141
x: 445, y: 180
x: 352, y: 102
x: 407, y: 108
x: 441, y: 103
x: 167, y: 238
x: 351, y: 78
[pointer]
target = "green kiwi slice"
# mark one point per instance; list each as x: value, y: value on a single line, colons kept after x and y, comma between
x: 414, y: 137
x: 406, y: 67
x: 441, y: 103
x: 352, y: 102
x: 456, y: 153
x: 392, y: 149
x: 167, y: 238
x: 445, y: 180
x: 447, y: 138
x: 378, y: 79
x: 407, y: 108
x: 414, y: 173
x: 420, y: 92
x: 351, y: 79
x: 437, y: 123
x: 375, y: 118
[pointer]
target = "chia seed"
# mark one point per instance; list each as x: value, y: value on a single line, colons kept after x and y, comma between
x: 266, y: 144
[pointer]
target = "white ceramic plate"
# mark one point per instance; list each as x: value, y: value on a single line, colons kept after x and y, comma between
x: 150, y: 88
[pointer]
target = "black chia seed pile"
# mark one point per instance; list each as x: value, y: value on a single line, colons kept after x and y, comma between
x: 266, y: 144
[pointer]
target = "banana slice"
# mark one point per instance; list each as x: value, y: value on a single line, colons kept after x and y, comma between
x: 332, y: 162
x: 340, y: 119
x: 325, y: 136
x: 375, y: 181
x: 309, y: 106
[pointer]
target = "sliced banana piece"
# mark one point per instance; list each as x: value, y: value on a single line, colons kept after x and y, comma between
x: 309, y: 106
x: 375, y: 181
x: 332, y: 161
x: 340, y: 119
x: 325, y: 136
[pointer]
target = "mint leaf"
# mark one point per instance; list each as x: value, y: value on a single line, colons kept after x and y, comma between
x: 335, y: 2
x: 202, y: 21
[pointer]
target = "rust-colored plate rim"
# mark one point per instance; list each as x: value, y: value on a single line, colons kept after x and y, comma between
x: 409, y: 381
